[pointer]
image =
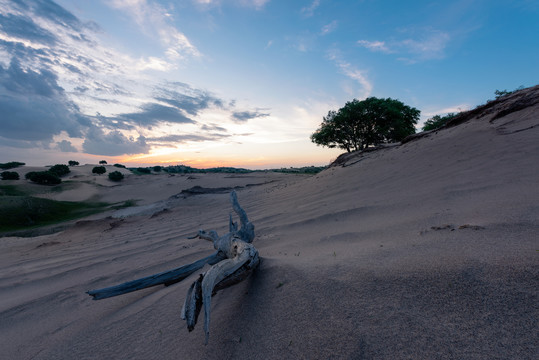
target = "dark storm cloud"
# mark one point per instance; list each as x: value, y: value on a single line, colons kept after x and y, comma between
x: 152, y: 114
x: 184, y: 97
x: 113, y: 143
x: 66, y: 146
x: 34, y: 107
x: 243, y: 116
x: 23, y: 27
x: 51, y: 11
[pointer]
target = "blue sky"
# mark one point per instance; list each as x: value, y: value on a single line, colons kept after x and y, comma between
x: 239, y: 82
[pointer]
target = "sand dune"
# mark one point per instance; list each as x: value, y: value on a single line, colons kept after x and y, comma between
x: 425, y: 250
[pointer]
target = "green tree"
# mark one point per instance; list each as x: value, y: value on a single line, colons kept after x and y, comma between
x: 437, y: 121
x: 359, y: 124
x: 103, y: 162
x: 73, y: 163
x: 99, y: 170
x: 157, y: 168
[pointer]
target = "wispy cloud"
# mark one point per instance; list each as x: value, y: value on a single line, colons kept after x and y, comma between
x: 352, y: 72
x: 329, y: 28
x: 430, y: 45
x: 417, y: 45
x: 155, y: 20
x: 308, y: 11
x: 256, y: 4
x: 374, y: 45
x: 243, y: 116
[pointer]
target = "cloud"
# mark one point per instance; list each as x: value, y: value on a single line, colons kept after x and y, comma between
x: 329, y: 28
x: 66, y: 146
x: 374, y: 45
x: 153, y: 114
x: 155, y: 20
x: 430, y: 45
x: 244, y: 116
x: 34, y: 107
x: 213, y: 128
x: 187, y: 98
x: 308, y: 11
x: 114, y: 143
x: 175, y: 138
x: 352, y: 72
x: 419, y: 45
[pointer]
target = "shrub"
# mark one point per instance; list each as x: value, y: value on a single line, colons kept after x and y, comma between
x: 99, y: 170
x: 11, y: 165
x: 437, y: 121
x: 43, y: 177
x: 73, y: 163
x: 60, y: 169
x: 144, y: 170
x: 119, y: 166
x: 10, y: 175
x: 116, y: 176
x: 103, y: 162
x: 157, y: 168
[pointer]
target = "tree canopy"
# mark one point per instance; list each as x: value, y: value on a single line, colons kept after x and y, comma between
x: 359, y: 124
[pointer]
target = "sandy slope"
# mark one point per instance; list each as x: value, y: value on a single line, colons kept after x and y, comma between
x: 427, y: 250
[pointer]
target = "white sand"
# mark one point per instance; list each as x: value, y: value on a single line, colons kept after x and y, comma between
x: 427, y: 250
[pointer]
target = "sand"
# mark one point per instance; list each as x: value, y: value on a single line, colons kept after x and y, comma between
x: 425, y: 250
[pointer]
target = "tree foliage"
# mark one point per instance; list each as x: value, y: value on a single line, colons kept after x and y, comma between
x: 10, y: 175
x: 116, y: 176
x: 359, y: 124
x: 43, y: 177
x: 60, y: 169
x: 437, y: 121
x: 103, y: 162
x: 99, y: 170
x: 11, y: 165
x: 73, y: 163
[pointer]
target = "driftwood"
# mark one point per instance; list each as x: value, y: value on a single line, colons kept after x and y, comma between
x: 234, y: 261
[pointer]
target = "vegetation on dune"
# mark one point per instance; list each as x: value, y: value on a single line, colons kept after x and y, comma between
x: 119, y: 166
x: 10, y: 175
x: 11, y: 165
x: 73, y: 163
x: 116, y: 176
x: 360, y: 124
x: 21, y: 212
x: 103, y: 162
x: 60, y: 169
x: 437, y: 121
x: 43, y: 177
x: 99, y: 170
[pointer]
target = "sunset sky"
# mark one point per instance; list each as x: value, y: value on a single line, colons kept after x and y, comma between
x: 239, y: 82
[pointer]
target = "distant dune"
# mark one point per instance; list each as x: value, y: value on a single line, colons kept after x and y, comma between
x: 422, y: 250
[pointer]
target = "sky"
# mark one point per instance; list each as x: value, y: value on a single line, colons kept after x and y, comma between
x: 240, y: 83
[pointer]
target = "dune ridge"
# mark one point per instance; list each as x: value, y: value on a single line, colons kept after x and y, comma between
x: 423, y: 250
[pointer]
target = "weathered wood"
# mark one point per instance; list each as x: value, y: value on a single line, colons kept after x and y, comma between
x: 193, y: 303
x: 244, y: 253
x: 167, y: 277
x: 234, y: 260
x: 241, y: 259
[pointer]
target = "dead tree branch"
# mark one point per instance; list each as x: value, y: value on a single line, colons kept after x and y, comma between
x: 234, y: 260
